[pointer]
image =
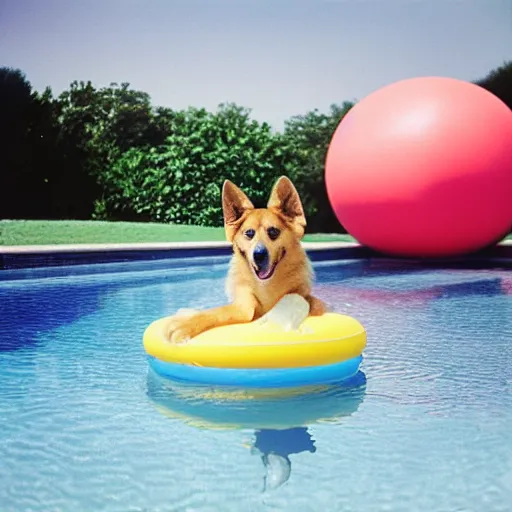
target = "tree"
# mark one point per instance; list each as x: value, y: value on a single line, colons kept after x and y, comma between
x: 25, y: 147
x: 306, y: 140
x: 15, y: 107
x: 96, y: 127
x: 105, y: 122
x: 499, y: 82
x: 180, y: 181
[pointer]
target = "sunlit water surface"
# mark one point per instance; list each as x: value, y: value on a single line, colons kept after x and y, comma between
x: 85, y: 427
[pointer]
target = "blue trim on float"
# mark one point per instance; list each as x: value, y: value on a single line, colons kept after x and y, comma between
x: 257, y: 378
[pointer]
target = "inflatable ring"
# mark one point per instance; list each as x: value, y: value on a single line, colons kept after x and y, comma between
x: 323, y: 349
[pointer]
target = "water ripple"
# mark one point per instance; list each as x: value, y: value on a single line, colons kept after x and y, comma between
x: 84, y: 425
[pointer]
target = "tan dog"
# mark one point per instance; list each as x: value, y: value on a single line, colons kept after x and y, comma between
x: 268, y: 261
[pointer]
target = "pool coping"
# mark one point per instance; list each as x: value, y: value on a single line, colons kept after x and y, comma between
x: 30, y: 256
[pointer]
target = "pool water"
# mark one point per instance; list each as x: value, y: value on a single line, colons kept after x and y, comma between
x: 425, y: 426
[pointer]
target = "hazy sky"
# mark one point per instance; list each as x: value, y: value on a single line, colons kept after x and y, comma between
x: 278, y: 57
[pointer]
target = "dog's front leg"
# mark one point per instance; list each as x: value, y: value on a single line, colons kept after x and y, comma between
x: 182, y: 328
x: 317, y: 307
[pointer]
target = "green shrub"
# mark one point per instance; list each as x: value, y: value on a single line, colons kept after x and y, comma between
x: 181, y: 180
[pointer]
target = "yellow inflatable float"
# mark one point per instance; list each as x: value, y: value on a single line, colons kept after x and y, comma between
x: 285, y: 348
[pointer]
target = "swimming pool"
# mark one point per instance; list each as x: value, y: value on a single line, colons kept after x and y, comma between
x: 85, y: 426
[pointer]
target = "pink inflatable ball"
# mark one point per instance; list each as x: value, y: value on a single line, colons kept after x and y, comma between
x: 423, y: 168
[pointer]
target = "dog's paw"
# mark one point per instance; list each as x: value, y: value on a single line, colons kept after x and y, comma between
x: 288, y: 313
x: 180, y: 329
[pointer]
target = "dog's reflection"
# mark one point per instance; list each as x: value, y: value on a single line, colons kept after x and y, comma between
x: 278, y: 418
x: 275, y: 447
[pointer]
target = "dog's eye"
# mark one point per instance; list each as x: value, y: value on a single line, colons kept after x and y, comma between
x: 273, y: 233
x: 250, y: 234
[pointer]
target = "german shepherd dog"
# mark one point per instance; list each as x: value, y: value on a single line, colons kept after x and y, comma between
x: 268, y: 261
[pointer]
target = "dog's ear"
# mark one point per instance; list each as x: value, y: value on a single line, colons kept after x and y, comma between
x: 234, y: 205
x: 285, y: 198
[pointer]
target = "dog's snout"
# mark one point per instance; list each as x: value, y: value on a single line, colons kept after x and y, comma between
x: 260, y: 255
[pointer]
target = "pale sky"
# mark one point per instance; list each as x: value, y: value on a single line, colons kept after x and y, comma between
x: 278, y: 57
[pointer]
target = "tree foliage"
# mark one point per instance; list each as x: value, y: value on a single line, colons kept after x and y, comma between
x: 180, y: 180
x: 499, y: 82
x: 26, y: 134
x: 96, y: 127
x: 307, y: 139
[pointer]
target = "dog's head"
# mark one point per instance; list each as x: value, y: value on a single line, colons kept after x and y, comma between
x: 263, y: 235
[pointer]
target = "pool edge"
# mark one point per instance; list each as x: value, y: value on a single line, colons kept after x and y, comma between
x: 19, y: 257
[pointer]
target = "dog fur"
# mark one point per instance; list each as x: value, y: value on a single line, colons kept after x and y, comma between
x: 271, y: 235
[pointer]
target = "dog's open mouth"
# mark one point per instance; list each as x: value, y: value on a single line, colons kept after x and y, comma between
x: 265, y: 273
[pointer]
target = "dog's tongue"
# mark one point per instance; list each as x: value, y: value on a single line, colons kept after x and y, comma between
x: 263, y: 274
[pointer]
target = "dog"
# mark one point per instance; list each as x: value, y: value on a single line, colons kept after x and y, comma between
x: 268, y: 261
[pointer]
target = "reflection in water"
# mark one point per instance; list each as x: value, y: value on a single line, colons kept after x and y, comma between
x: 278, y: 417
x: 275, y: 448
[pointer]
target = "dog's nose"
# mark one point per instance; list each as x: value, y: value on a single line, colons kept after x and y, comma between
x: 260, y: 255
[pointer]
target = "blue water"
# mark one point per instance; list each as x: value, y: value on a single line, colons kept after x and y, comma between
x: 84, y: 426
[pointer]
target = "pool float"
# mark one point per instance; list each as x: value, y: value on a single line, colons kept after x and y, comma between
x: 284, y: 348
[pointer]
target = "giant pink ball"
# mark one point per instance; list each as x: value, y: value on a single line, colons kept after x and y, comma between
x: 423, y: 168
